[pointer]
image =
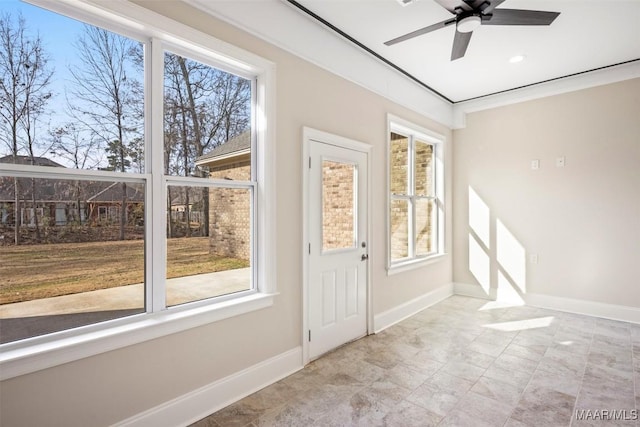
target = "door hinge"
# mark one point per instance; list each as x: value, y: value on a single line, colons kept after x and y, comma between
x: 309, y: 335
x: 309, y: 162
x: 309, y: 248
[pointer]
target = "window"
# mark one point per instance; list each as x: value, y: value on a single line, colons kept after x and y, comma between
x: 150, y: 206
x: 209, y: 139
x: 415, y: 215
x: 76, y: 148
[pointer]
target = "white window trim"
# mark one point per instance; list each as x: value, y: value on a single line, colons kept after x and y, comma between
x: 37, y: 353
x: 402, y: 126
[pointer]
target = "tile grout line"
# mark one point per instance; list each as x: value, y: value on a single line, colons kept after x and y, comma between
x: 525, y: 387
x: 584, y: 373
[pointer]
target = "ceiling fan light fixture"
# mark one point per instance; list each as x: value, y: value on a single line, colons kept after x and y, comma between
x: 468, y: 23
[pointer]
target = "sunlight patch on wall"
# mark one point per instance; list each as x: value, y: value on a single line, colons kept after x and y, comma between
x: 511, y: 256
x: 507, y: 291
x: 479, y: 217
x: 479, y: 264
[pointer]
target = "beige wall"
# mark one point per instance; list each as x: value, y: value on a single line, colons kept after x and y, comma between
x: 113, y: 386
x: 583, y: 220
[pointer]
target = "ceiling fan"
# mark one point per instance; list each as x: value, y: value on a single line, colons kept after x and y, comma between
x: 470, y: 14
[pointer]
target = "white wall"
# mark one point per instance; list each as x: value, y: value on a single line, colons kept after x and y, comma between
x: 582, y: 220
x: 113, y: 386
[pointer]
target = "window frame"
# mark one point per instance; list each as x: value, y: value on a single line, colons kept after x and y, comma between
x: 159, y: 34
x: 416, y: 133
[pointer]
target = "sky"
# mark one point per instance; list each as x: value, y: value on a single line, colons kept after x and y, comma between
x: 59, y: 34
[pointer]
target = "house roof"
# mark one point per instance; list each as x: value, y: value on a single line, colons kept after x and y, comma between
x: 113, y: 193
x: 236, y: 146
x: 178, y: 196
x: 26, y: 160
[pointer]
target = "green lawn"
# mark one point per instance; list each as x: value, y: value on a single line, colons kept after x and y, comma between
x: 41, y: 271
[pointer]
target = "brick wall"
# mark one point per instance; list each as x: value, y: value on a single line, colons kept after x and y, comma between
x: 398, y: 158
x: 230, y: 213
x: 337, y: 210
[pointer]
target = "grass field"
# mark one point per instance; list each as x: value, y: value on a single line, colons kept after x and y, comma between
x: 41, y: 271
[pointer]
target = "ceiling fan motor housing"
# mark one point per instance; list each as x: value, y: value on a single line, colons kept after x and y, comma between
x: 469, y: 23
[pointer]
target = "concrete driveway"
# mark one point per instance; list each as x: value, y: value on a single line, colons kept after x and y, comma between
x: 31, y: 318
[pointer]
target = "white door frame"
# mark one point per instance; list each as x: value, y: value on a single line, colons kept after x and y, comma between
x: 309, y: 135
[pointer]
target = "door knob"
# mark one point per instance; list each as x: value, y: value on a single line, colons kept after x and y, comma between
x: 364, y: 257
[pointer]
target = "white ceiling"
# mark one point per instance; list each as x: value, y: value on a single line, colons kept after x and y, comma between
x: 587, y: 35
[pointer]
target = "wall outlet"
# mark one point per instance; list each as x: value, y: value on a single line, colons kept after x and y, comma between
x: 533, y: 258
x: 560, y: 162
x: 535, y: 164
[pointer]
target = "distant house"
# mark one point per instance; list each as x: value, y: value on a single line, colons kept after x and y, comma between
x: 105, y: 205
x: 230, y: 209
x: 60, y: 202
x: 51, y: 201
x: 185, y: 208
x: 27, y: 160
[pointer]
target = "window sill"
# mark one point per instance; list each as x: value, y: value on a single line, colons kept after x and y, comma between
x: 34, y: 354
x: 414, y: 263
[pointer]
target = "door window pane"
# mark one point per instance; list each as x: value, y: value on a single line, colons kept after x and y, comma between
x: 399, y: 229
x: 81, y: 254
x: 338, y: 205
x: 208, y: 242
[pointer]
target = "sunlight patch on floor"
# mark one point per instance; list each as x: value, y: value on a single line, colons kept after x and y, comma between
x: 521, y: 325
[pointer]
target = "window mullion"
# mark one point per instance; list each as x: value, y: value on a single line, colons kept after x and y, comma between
x: 412, y: 198
x: 156, y: 231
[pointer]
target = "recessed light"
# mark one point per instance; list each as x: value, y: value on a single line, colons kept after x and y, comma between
x: 517, y: 58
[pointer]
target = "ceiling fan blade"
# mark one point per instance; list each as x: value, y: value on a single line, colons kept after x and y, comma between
x: 421, y: 31
x: 519, y: 17
x: 460, y: 43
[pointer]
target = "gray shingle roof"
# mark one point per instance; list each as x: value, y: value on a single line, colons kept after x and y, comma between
x: 236, y: 144
x: 26, y: 160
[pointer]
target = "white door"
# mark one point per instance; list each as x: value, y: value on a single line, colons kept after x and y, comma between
x: 338, y: 247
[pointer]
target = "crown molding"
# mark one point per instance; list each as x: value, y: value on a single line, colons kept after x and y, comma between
x: 286, y: 27
x: 614, y: 74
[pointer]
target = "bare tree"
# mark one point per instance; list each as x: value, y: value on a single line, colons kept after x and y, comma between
x: 204, y: 107
x: 104, y: 101
x: 24, y: 80
x: 79, y: 148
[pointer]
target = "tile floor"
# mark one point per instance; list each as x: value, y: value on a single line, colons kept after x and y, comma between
x: 462, y: 363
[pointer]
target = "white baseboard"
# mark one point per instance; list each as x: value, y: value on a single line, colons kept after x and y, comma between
x: 570, y: 305
x: 199, y: 403
x: 475, y: 291
x: 397, y: 314
x: 591, y: 308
